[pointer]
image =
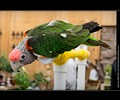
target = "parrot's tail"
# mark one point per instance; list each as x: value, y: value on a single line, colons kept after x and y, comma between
x: 104, y: 44
x: 92, y: 26
x: 97, y: 43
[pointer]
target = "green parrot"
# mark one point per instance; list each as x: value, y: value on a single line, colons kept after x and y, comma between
x: 51, y: 39
x: 56, y: 37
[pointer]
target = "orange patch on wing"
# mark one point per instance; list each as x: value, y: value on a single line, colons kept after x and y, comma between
x: 25, y: 34
x: 28, y: 47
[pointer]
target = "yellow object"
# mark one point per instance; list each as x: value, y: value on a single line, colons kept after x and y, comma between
x: 62, y: 58
x: 23, y: 68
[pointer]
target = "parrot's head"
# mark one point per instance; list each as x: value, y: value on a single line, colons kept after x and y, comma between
x: 20, y: 55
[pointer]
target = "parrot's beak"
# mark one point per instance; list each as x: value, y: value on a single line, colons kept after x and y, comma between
x: 14, y: 69
x: 15, y: 66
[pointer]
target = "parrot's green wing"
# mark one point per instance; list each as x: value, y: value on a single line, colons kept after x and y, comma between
x: 55, y: 26
x: 56, y: 39
x: 32, y: 32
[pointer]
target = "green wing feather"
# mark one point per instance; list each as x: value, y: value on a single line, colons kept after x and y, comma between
x: 57, y: 27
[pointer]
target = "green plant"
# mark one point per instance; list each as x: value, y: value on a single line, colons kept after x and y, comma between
x: 108, y: 69
x: 40, y: 78
x: 22, y: 80
x: 4, y: 64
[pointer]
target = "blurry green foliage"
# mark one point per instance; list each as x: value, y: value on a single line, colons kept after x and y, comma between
x: 22, y: 80
x: 4, y: 64
x: 40, y: 78
x: 108, y: 69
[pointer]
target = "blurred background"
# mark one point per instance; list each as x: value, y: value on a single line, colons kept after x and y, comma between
x: 14, y: 23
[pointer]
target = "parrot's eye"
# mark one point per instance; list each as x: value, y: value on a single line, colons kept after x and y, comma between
x: 23, y: 57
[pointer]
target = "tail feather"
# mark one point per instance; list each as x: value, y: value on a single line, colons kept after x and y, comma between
x: 91, y: 42
x: 92, y: 26
x: 103, y: 44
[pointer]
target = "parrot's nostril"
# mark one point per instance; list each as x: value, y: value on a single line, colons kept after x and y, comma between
x: 14, y: 55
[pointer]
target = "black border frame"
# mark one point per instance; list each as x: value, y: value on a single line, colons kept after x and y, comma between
x: 62, y: 5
